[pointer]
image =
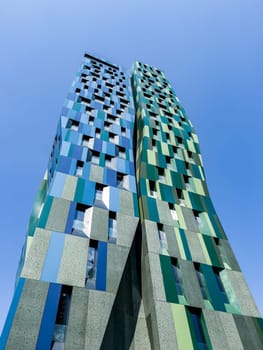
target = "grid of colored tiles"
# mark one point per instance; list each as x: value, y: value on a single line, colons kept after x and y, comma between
x: 89, y: 190
x: 179, y: 221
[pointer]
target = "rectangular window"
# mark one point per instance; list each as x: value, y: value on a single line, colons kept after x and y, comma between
x: 177, y: 276
x: 108, y: 160
x: 152, y: 186
x: 97, y: 133
x: 81, y: 223
x: 162, y: 236
x: 120, y: 180
x: 222, y: 253
x: 72, y: 124
x: 220, y: 284
x: 112, y: 227
x: 85, y: 140
x: 61, y: 319
x: 123, y: 131
x: 173, y: 211
x: 161, y: 174
x: 79, y: 168
x: 198, y: 331
x: 90, y: 281
x: 99, y: 196
x: 95, y: 157
x: 201, y: 281
x: 121, y: 152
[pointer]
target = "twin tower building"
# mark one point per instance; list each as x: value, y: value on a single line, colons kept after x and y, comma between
x: 124, y: 249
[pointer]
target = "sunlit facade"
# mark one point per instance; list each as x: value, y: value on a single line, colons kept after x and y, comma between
x: 124, y: 248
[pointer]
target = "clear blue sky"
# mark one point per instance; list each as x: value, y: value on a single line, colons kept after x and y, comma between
x: 211, y: 51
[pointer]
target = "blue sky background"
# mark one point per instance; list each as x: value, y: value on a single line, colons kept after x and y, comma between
x: 212, y: 54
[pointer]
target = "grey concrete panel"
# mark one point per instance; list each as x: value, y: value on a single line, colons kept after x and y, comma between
x: 76, y: 330
x: 147, y: 288
x: 189, y: 219
x: 157, y: 277
x: 126, y: 228
x: 116, y: 261
x: 151, y: 235
x: 164, y: 212
x: 58, y: 215
x: 191, y: 285
x: 241, y: 292
x: 173, y: 248
x: 166, y: 328
x: 27, y: 320
x: 215, y: 330
x: 252, y: 338
x: 96, y: 173
x: 73, y: 263
x: 99, y: 224
x: 195, y: 247
x: 141, y: 336
x: 99, y: 309
x: 70, y: 187
x: 36, y: 255
x: 230, y: 255
x: 230, y: 330
x: 126, y: 203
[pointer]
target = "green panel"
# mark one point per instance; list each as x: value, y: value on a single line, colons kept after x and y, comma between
x: 210, y: 245
x: 79, y: 190
x: 166, y: 193
x: 196, y: 201
x: 180, y: 166
x: 152, y: 173
x: 176, y: 180
x: 168, y: 279
x: 45, y: 212
x: 214, y: 292
x: 185, y: 244
x: 152, y: 209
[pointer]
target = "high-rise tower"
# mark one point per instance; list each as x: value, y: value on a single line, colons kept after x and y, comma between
x: 124, y: 248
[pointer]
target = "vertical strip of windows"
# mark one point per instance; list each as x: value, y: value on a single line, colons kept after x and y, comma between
x: 60, y: 329
x: 201, y: 281
x: 198, y: 330
x: 178, y: 280
x: 112, y: 235
x: 162, y: 236
x: 90, y: 281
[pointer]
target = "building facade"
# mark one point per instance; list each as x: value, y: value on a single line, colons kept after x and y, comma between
x: 124, y: 248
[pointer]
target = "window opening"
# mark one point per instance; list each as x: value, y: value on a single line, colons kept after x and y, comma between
x: 60, y: 328
x: 112, y: 234
x: 177, y: 276
x: 173, y: 211
x: 90, y: 281
x: 79, y: 168
x: 162, y: 236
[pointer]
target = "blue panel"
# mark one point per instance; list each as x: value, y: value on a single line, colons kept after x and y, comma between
x: 97, y: 145
x: 53, y: 257
x: 11, y: 313
x: 109, y: 177
x: 114, y: 199
x: 101, y: 266
x: 131, y: 168
x: 58, y: 184
x: 89, y: 193
x: 76, y: 151
x: 121, y: 165
x: 64, y: 164
x: 49, y: 317
x: 111, y: 149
